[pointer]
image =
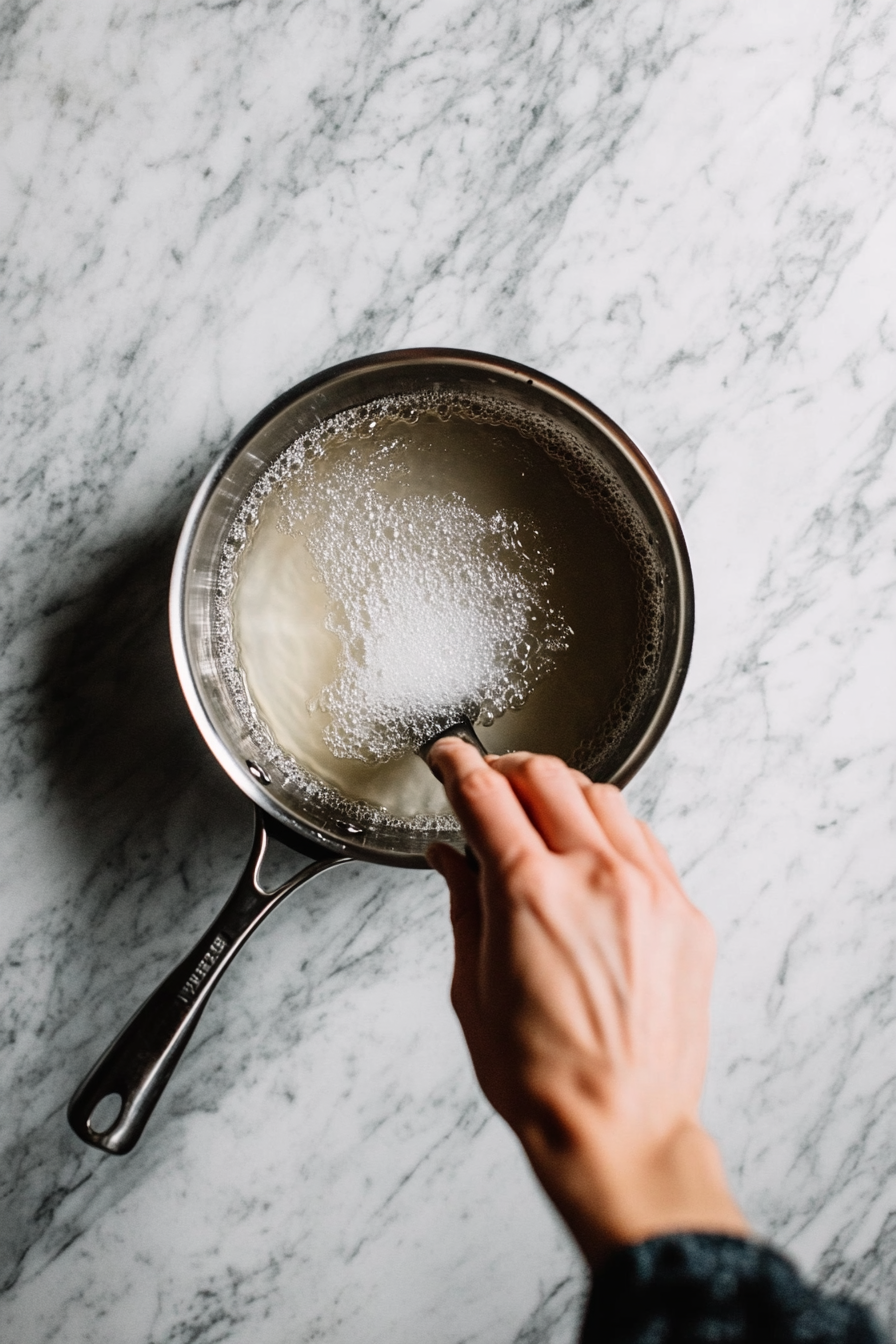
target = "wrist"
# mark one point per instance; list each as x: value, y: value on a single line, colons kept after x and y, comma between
x: 616, y: 1187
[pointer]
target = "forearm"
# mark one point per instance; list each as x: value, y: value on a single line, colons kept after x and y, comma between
x: 616, y: 1189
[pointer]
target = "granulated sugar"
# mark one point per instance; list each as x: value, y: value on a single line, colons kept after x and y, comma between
x: 439, y: 610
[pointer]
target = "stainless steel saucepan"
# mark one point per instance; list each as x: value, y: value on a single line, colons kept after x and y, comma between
x: 113, y: 1104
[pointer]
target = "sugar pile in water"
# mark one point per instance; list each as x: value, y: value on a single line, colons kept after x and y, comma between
x: 440, y: 611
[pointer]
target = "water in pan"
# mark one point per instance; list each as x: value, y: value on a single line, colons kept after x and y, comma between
x: 412, y: 560
x: 440, y: 611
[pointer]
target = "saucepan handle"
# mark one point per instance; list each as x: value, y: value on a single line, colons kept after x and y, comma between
x: 111, y: 1107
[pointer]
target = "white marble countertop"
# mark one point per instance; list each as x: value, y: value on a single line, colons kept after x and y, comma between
x: 684, y: 210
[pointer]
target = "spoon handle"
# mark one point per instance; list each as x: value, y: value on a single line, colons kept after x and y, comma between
x: 462, y: 729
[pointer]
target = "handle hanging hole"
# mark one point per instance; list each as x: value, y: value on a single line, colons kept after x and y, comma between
x: 105, y: 1113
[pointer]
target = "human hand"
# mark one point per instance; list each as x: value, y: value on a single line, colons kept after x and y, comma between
x: 581, y: 982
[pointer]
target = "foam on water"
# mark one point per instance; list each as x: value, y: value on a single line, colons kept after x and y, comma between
x: 428, y: 607
x: 440, y: 612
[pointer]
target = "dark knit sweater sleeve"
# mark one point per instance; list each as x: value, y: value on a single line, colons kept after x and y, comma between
x: 692, y: 1288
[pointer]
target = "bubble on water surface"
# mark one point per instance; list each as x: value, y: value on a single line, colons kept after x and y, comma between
x: 441, y: 612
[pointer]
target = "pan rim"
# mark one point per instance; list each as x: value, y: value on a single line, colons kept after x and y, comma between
x: 237, y: 769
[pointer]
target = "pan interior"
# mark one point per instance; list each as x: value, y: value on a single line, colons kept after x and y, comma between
x: 605, y: 591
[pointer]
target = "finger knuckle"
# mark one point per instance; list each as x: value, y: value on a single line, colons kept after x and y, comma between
x: 542, y: 769
x: 524, y: 875
x: 610, y: 869
x: 635, y: 895
x: 479, y: 784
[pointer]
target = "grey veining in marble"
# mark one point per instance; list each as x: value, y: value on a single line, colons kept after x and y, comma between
x: 684, y: 210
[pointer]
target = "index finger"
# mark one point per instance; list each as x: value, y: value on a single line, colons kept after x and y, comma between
x: 494, y: 822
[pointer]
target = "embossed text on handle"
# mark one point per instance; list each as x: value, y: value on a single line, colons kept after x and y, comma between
x: 207, y: 963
